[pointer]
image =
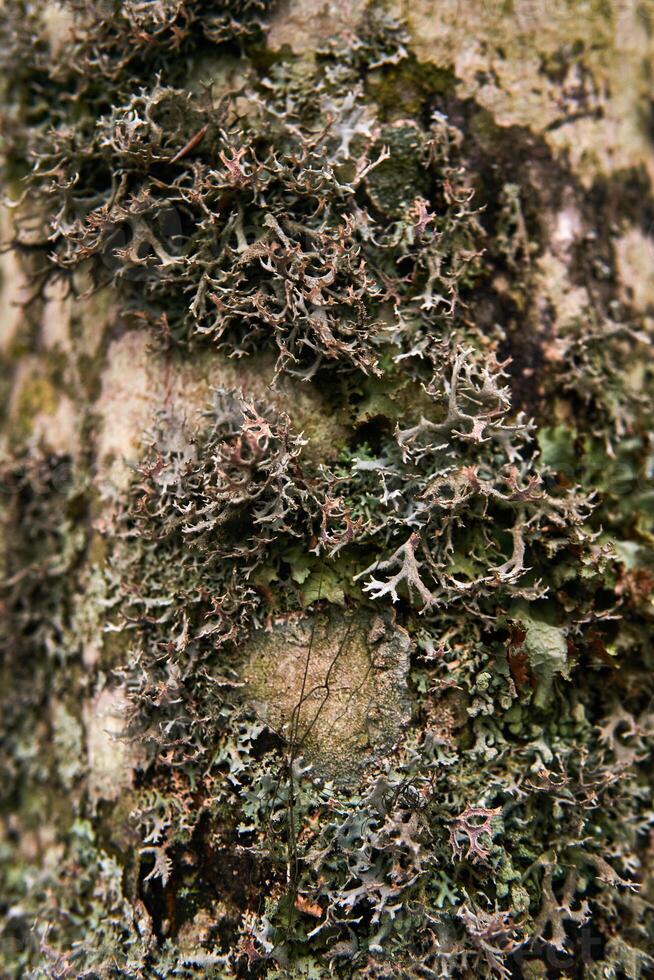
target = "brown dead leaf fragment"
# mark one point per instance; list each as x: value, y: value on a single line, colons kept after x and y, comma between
x: 303, y: 904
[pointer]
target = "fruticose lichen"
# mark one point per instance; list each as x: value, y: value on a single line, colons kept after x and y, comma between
x: 380, y: 685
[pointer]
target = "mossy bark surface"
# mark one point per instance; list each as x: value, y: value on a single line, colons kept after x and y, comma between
x: 326, y: 538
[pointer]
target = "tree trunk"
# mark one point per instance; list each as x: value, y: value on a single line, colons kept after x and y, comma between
x: 326, y: 501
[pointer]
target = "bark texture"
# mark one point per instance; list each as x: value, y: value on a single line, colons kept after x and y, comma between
x: 326, y: 489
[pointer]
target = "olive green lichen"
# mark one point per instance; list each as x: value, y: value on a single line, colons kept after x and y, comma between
x: 473, y: 587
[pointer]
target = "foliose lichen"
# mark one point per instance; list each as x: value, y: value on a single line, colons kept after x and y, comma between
x: 501, y: 819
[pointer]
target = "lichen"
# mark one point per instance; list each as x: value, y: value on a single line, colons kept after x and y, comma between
x: 365, y: 606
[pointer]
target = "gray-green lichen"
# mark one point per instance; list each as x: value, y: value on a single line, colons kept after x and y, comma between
x: 327, y: 521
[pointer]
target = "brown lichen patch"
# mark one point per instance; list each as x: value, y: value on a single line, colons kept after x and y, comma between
x: 333, y: 685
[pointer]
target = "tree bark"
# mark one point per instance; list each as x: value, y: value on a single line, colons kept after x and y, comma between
x: 326, y: 462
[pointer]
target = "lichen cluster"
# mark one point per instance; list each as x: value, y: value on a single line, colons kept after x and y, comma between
x: 486, y: 578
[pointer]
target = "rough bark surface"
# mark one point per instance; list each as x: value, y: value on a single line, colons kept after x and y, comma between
x: 327, y: 557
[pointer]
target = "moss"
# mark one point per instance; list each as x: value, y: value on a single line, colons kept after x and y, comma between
x: 37, y: 391
x: 37, y: 395
x: 408, y: 89
x: 398, y: 181
x: 324, y: 424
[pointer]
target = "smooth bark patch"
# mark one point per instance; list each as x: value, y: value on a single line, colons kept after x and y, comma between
x: 334, y: 686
